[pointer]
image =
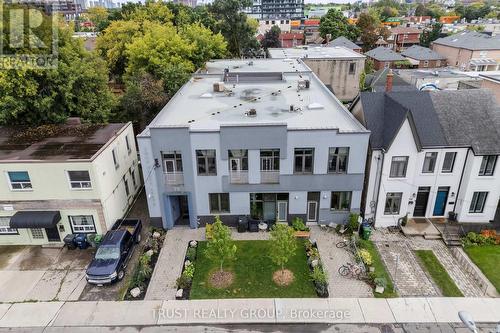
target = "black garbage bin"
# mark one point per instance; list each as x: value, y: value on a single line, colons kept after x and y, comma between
x: 253, y: 225
x: 242, y: 224
x: 69, y: 241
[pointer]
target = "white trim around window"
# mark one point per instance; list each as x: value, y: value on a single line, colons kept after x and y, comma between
x: 82, y: 224
x: 19, y: 184
x: 79, y: 182
x: 5, y: 228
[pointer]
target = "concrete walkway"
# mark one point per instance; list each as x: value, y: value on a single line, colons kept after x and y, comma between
x: 262, y: 311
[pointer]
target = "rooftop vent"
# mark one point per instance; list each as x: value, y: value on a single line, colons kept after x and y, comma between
x: 206, y: 95
x: 303, y: 84
x: 218, y: 86
x: 251, y: 113
x: 315, y: 106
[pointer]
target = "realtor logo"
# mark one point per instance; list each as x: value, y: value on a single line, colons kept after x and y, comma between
x: 29, y: 36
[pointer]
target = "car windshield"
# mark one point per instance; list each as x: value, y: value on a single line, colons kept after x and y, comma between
x: 106, y: 253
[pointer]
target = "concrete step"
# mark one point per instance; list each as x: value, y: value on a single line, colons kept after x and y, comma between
x: 432, y: 236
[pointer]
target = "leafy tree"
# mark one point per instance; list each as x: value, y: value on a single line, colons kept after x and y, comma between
x: 234, y: 25
x: 206, y: 44
x: 76, y: 87
x: 283, y: 245
x: 271, y: 38
x: 420, y: 10
x: 371, y: 29
x: 387, y: 12
x: 98, y: 16
x: 335, y: 24
x: 428, y: 36
x: 220, y: 247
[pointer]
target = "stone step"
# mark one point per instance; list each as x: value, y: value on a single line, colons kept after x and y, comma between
x: 432, y: 236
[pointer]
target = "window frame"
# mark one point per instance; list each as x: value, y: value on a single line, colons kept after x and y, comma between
x: 346, y: 195
x: 487, y: 158
x: 125, y: 184
x: 81, y: 182
x: 114, y: 154
x: 435, y: 154
x: 177, y: 158
x: 475, y: 201
x: 452, y: 162
x: 205, y: 157
x: 393, y: 195
x: 337, y: 155
x: 127, y: 143
x: 405, y: 169
x: 131, y: 171
x: 40, y: 235
x: 274, y: 157
x: 219, y: 207
x: 24, y: 185
x: 352, y: 68
x: 7, y: 230
x: 72, y: 226
x: 303, y: 156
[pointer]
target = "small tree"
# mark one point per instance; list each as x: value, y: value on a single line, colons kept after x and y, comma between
x: 283, y: 245
x: 220, y: 247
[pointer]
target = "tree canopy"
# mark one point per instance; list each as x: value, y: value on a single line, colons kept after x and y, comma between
x: 371, y: 29
x: 335, y: 24
x: 271, y: 38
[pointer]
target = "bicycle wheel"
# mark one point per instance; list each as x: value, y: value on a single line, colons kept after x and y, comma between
x: 341, y: 244
x: 344, y: 270
x: 356, y: 271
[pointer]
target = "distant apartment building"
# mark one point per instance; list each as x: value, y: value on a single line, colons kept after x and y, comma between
x: 423, y: 57
x: 470, y: 51
x: 266, y: 25
x: 263, y: 138
x: 276, y: 9
x: 337, y: 67
x: 77, y: 179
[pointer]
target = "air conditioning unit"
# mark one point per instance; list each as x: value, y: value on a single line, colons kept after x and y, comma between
x: 303, y: 84
x: 251, y: 113
x: 218, y: 86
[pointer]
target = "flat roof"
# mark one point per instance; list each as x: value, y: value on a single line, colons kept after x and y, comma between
x: 268, y: 86
x: 493, y: 77
x: 55, y: 142
x: 314, y: 52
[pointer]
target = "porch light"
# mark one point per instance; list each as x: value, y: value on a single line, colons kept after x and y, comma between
x: 452, y: 194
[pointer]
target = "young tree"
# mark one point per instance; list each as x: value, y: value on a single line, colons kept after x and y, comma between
x: 370, y: 27
x: 283, y: 245
x: 334, y: 23
x: 220, y: 247
x: 272, y: 38
x: 428, y: 36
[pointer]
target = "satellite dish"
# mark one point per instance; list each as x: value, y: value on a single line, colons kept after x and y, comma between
x: 466, y: 318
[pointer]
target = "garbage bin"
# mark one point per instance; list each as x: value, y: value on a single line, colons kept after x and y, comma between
x: 81, y: 241
x: 367, y: 231
x: 69, y: 241
x: 242, y: 224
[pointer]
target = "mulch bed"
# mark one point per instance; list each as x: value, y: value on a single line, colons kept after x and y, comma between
x: 283, y: 277
x: 221, y: 279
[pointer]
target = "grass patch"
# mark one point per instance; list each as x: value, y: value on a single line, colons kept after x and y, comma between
x: 438, y: 273
x: 380, y: 270
x: 253, y: 271
x: 487, y: 258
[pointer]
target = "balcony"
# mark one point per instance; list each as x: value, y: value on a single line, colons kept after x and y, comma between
x: 238, y: 177
x: 269, y: 177
x: 174, y: 178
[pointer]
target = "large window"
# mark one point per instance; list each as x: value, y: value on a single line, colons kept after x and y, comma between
x: 79, y: 179
x: 82, y: 223
x: 337, y: 159
x: 172, y: 162
x: 488, y: 165
x: 399, y: 165
x: 19, y: 180
x: 449, y: 161
x: 206, y: 162
x: 219, y: 202
x: 303, y: 160
x: 341, y: 201
x: 5, y: 228
x: 270, y: 160
x: 429, y: 162
x: 393, y: 203
x: 478, y: 202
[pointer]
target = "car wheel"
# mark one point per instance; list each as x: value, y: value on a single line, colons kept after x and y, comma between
x: 138, y: 238
x: 121, y: 274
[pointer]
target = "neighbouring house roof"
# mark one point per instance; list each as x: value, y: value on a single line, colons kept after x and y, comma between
x: 381, y: 41
x: 342, y: 41
x: 291, y: 35
x: 377, y: 81
x: 404, y: 30
x: 55, y: 142
x: 471, y: 40
x: 465, y: 118
x: 418, y: 52
x: 384, y: 54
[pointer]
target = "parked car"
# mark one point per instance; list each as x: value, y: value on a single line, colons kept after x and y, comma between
x: 114, y: 253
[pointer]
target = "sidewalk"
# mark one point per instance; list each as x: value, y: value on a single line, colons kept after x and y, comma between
x: 262, y: 311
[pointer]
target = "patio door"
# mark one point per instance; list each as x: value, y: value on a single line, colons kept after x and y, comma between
x: 170, y: 166
x: 235, y: 164
x: 267, y: 163
x: 282, y: 211
x: 312, y: 209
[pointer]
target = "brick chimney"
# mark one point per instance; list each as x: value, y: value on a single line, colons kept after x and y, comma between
x: 388, y: 82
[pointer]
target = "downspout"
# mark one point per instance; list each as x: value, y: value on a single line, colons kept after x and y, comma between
x: 460, y: 183
x: 378, y: 181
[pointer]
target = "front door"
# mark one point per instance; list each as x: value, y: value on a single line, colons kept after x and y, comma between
x: 53, y: 234
x: 441, y: 198
x: 282, y: 211
x: 312, y: 208
x: 421, y: 201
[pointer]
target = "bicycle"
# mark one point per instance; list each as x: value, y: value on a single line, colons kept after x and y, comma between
x: 352, y: 270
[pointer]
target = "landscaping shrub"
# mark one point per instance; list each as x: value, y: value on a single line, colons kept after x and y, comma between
x: 183, y: 282
x: 320, y: 280
x: 475, y: 239
x: 191, y: 254
x: 380, y: 282
x: 298, y: 224
x: 352, y: 223
x: 365, y: 256
x: 188, y: 271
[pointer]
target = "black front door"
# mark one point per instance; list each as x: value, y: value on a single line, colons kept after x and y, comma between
x: 53, y: 234
x: 421, y: 202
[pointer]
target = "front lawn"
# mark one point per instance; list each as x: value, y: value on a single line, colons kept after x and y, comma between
x: 380, y: 271
x: 487, y: 258
x: 438, y: 273
x: 253, y: 270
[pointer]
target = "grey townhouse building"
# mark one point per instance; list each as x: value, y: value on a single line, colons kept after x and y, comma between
x: 253, y: 137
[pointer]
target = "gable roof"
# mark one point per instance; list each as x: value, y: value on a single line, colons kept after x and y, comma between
x: 404, y: 30
x: 471, y: 40
x: 377, y: 81
x: 465, y: 118
x: 342, y: 41
x: 418, y: 52
x: 384, y: 54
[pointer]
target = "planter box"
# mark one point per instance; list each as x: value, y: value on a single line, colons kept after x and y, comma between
x: 302, y: 234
